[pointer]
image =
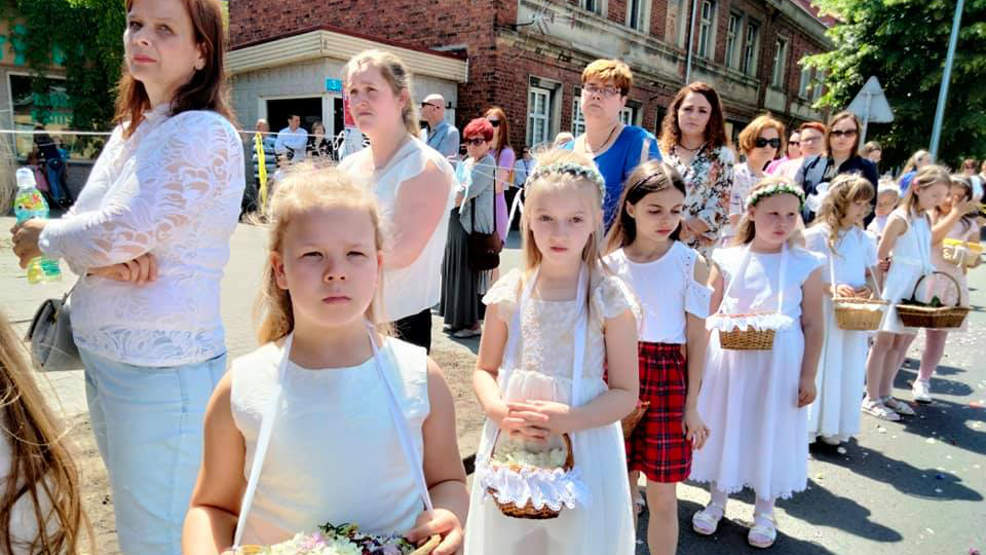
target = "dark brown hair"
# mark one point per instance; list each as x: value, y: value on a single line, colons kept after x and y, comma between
x: 715, y: 130
x: 206, y: 90
x: 846, y: 114
x: 650, y: 177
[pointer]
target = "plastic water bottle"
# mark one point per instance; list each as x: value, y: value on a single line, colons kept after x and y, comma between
x: 29, y: 203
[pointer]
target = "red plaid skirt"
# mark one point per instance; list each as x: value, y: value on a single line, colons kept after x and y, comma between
x: 658, y: 447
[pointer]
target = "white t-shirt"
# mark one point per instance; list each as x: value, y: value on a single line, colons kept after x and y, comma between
x: 855, y: 251
x: 666, y: 289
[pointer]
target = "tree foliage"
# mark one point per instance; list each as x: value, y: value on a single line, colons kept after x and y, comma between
x: 85, y: 37
x: 904, y: 43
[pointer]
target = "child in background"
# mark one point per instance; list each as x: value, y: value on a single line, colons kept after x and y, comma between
x: 850, y: 253
x: 887, y: 195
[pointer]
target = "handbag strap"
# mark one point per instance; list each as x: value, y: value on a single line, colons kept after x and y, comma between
x: 511, y: 356
x: 270, y: 414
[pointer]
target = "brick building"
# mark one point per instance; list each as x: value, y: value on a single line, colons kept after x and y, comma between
x: 527, y: 55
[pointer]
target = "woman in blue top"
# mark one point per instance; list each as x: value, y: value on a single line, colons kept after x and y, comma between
x: 616, y: 148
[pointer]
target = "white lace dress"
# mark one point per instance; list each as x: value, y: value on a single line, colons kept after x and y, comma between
x: 172, y: 189
x: 749, y: 399
x: 842, y: 367
x: 544, y: 373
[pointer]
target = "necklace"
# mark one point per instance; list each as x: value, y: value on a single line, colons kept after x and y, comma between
x: 683, y: 147
x: 608, y: 137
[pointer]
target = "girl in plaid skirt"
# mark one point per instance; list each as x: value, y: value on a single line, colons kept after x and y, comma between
x: 669, y: 280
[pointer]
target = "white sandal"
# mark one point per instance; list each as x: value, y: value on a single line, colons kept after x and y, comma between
x: 706, y: 521
x: 764, y: 531
x: 900, y: 407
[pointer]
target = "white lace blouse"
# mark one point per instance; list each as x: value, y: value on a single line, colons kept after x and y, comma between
x: 172, y: 189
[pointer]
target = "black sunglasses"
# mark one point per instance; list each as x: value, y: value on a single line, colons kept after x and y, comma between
x: 795, y: 143
x: 494, y: 122
x: 761, y: 142
x: 475, y: 141
x: 423, y: 104
x: 841, y: 133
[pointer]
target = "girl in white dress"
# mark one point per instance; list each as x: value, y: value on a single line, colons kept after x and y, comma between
x: 955, y: 218
x: 669, y: 279
x: 837, y: 234
x: 906, y: 247
x: 329, y: 420
x: 563, y: 307
x: 753, y: 401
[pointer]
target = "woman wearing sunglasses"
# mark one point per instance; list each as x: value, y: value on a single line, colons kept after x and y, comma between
x: 842, y: 145
x: 504, y: 156
x: 759, y: 141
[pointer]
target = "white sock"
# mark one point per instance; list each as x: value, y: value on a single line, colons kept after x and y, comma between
x: 764, y: 507
x: 719, y: 497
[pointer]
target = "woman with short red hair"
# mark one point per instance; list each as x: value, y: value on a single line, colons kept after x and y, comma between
x: 473, y: 212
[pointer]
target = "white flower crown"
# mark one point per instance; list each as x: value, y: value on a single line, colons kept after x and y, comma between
x: 779, y: 189
x: 577, y: 170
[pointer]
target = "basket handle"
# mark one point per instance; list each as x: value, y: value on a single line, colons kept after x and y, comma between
x: 958, y: 298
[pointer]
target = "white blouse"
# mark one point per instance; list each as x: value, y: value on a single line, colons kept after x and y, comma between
x: 418, y: 286
x: 667, y: 290
x: 855, y: 251
x: 172, y: 189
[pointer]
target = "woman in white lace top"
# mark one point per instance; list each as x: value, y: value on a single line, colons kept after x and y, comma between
x: 150, y: 232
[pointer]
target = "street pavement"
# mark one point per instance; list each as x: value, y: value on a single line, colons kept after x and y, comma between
x: 913, y: 487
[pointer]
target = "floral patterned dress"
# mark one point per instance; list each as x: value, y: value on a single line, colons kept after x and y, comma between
x: 708, y: 182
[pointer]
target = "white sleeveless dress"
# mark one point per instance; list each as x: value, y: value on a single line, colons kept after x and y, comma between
x: 842, y: 367
x: 334, y: 453
x: 749, y: 399
x: 910, y: 259
x: 544, y: 372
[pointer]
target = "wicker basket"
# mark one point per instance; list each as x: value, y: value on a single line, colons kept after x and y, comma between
x: 630, y: 422
x: 915, y: 316
x: 961, y: 253
x: 528, y: 511
x: 748, y: 339
x: 857, y: 314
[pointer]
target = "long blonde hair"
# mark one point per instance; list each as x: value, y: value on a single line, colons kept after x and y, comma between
x: 41, y: 465
x: 912, y: 162
x: 592, y: 251
x: 746, y: 230
x: 308, y: 187
x: 844, y: 190
x: 395, y: 73
x: 928, y: 176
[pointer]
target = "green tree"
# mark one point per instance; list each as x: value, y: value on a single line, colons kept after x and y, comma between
x: 904, y: 43
x: 85, y: 36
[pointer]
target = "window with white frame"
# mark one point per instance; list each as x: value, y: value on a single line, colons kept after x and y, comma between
x: 804, y: 86
x: 538, y: 115
x: 733, y: 38
x: 578, y: 119
x: 628, y: 115
x: 780, y: 64
x: 594, y: 6
x: 637, y: 13
x: 706, y: 46
x: 749, y: 65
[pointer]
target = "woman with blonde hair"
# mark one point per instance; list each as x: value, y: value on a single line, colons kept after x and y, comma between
x: 413, y: 182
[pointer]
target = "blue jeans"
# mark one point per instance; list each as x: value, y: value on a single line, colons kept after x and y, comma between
x: 148, y: 426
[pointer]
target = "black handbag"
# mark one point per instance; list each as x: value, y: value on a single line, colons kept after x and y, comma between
x: 483, y: 249
x: 50, y: 334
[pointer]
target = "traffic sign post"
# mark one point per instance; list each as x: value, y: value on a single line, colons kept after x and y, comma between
x: 871, y: 104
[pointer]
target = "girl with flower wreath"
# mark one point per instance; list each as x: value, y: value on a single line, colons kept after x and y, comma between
x: 550, y: 328
x: 330, y: 420
x: 754, y: 400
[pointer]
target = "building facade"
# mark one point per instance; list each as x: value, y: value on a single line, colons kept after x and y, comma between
x: 527, y: 55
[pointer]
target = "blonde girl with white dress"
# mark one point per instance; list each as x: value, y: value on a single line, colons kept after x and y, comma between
x: 329, y: 420
x: 904, y: 248
x: 850, y: 252
x: 550, y: 330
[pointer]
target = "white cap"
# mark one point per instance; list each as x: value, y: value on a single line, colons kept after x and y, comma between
x: 25, y: 178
